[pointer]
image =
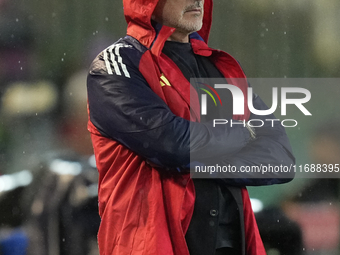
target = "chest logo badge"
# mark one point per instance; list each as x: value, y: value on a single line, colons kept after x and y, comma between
x: 164, y: 81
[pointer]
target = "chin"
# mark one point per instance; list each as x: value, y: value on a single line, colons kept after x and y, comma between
x: 191, y: 26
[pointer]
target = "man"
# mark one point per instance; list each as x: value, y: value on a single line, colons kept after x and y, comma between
x: 144, y: 129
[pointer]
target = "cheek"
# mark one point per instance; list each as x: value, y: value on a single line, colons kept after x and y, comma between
x: 172, y: 15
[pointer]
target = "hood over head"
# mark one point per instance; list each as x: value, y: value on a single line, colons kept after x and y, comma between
x: 138, y: 16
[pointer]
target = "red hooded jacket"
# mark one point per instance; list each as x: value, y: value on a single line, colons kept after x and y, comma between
x: 143, y: 212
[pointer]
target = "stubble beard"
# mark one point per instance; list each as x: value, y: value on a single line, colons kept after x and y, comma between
x: 189, y: 24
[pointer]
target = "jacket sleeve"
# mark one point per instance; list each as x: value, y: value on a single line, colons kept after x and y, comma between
x: 124, y: 108
x: 256, y: 161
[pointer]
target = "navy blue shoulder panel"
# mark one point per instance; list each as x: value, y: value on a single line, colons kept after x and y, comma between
x: 114, y: 59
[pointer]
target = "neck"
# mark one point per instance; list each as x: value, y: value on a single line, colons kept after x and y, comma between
x: 179, y: 36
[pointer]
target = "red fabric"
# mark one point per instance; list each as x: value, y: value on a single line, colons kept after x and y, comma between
x: 254, y: 243
x: 142, y: 212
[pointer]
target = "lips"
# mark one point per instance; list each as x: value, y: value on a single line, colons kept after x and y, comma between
x: 194, y: 10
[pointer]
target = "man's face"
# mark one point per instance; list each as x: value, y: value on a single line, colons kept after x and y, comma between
x: 184, y: 15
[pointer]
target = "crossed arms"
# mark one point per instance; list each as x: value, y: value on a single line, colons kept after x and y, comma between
x: 128, y: 111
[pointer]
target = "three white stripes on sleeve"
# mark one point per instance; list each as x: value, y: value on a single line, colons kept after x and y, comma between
x: 113, y: 59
